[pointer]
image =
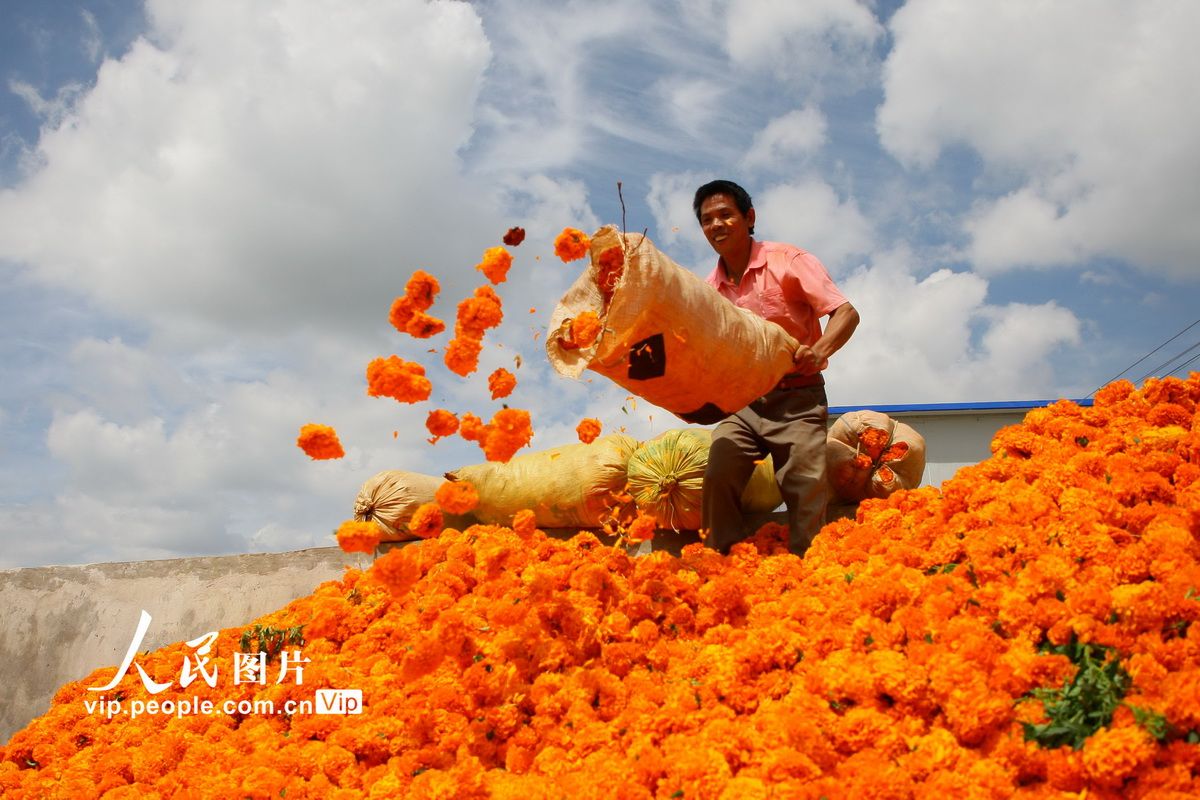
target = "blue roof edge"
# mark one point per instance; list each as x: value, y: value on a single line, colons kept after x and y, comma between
x: 1002, y: 405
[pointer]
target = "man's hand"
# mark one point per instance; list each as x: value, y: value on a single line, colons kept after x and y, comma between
x: 807, y: 361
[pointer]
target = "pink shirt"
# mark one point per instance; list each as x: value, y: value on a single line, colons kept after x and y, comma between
x: 785, y: 285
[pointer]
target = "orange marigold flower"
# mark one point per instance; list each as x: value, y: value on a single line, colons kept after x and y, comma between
x: 861, y: 461
x: 456, y: 497
x: 421, y: 289
x: 462, y: 354
x: 495, y: 264
x: 426, y: 521
x: 479, y: 312
x: 320, y: 442
x: 524, y: 522
x: 585, y: 329
x: 895, y: 451
x: 612, y: 268
x: 472, y: 428
x: 642, y: 528
x: 441, y: 422
x: 588, y: 429
x: 885, y: 474
x: 571, y: 244
x: 509, y: 431
x: 403, y: 381
x: 423, y: 326
x: 514, y: 236
x: 358, y: 537
x: 501, y: 383
x: 1113, y: 754
x: 873, y: 440
x: 402, y: 311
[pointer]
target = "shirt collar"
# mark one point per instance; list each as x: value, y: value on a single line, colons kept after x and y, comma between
x: 758, y: 260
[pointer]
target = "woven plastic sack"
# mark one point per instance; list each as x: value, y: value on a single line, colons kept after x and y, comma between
x: 390, y: 498
x: 869, y: 454
x: 666, y: 479
x: 575, y: 485
x: 668, y: 337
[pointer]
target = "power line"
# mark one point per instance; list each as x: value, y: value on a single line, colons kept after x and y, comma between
x: 1162, y: 369
x: 1143, y: 358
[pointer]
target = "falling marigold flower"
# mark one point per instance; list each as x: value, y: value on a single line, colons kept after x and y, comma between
x: 472, y: 428
x: 423, y: 326
x: 401, y: 313
x: 426, y: 521
x: 585, y: 329
x: 441, y: 422
x: 456, y: 497
x: 509, y: 431
x: 358, y: 537
x: 479, y: 312
x: 571, y: 245
x: 514, y: 236
x: 320, y: 442
x: 495, y: 264
x: 642, y: 528
x: 588, y: 429
x: 501, y: 383
x: 403, y: 381
x: 462, y: 354
x: 421, y: 289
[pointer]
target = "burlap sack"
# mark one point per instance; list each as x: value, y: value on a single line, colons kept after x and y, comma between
x: 666, y: 479
x: 566, y: 487
x: 390, y: 498
x: 669, y: 337
x: 854, y: 475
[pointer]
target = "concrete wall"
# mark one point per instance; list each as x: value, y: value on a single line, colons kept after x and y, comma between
x: 60, y: 623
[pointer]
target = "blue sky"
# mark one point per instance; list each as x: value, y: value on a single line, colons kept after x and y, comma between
x: 207, y: 208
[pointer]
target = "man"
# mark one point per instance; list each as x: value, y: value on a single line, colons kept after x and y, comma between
x: 791, y: 288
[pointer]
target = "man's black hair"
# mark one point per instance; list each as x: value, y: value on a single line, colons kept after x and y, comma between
x: 741, y: 198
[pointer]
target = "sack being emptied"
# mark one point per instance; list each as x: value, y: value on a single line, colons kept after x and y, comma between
x: 667, y: 337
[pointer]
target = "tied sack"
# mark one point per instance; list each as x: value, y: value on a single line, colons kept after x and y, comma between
x: 390, y: 498
x: 573, y: 486
x: 666, y: 479
x: 869, y: 454
x: 668, y: 337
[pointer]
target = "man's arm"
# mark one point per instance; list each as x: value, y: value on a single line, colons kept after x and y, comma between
x: 842, y: 322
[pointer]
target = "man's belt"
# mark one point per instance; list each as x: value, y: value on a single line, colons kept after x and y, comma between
x: 801, y: 381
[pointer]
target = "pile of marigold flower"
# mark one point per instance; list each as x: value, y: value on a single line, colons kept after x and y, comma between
x: 1023, y: 631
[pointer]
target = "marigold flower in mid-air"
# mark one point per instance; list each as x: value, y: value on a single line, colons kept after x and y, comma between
x: 495, y: 264
x: 509, y: 431
x: 462, y: 354
x: 441, y: 422
x: 472, y: 428
x: 457, y: 497
x: 422, y: 326
x: 421, y: 289
x: 426, y: 521
x: 479, y: 312
x: 358, y: 537
x: 501, y: 383
x: 403, y: 381
x: 588, y: 429
x: 571, y: 245
x: 401, y: 313
x: 524, y: 522
x: 320, y: 442
x: 514, y: 236
x: 642, y: 528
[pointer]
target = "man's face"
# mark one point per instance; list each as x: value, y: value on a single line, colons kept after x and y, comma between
x: 726, y: 228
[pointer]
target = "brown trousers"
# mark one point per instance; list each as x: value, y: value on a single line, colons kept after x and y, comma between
x: 790, y: 426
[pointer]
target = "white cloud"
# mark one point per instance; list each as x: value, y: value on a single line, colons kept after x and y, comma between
x: 1081, y: 105
x: 796, y: 134
x: 936, y: 339
x: 670, y: 201
x: 93, y: 42
x: 810, y: 215
x: 814, y: 43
